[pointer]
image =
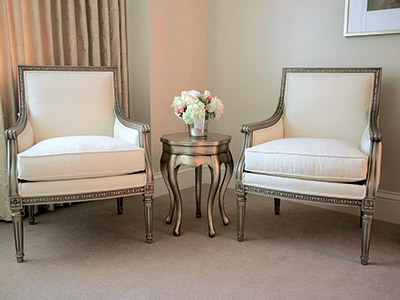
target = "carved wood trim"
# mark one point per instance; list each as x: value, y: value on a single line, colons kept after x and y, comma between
x: 279, y: 194
x: 82, y: 197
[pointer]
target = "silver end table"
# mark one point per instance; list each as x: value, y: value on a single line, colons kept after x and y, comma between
x: 180, y: 149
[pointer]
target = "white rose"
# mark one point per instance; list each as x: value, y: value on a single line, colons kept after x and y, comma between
x: 194, y: 93
x: 188, y: 97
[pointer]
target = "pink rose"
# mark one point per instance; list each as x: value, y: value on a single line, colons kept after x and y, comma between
x: 207, y: 107
x: 181, y: 110
x: 176, y: 111
x: 209, y: 98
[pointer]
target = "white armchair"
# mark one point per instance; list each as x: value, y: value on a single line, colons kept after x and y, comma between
x: 73, y: 143
x: 322, y: 144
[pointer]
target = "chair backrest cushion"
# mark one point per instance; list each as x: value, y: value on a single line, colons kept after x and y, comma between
x: 69, y: 103
x: 327, y: 105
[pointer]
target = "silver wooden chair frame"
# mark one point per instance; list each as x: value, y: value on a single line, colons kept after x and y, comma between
x: 367, y: 205
x: 17, y: 202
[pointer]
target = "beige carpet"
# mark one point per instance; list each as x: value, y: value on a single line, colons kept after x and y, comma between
x: 87, y: 251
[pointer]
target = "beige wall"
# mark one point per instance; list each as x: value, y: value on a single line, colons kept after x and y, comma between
x: 248, y: 43
x: 177, y: 61
x: 138, y: 29
x: 166, y: 55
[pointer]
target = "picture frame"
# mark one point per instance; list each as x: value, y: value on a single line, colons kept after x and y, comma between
x: 371, y: 17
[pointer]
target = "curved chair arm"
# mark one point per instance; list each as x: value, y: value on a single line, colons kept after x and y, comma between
x: 374, y: 132
x: 139, y: 134
x: 141, y: 127
x: 371, y: 144
x: 17, y: 128
x: 257, y: 133
x: 249, y: 128
x: 13, y: 135
x: 374, y: 169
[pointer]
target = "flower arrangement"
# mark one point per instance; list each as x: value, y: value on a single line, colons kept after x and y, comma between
x: 192, y: 106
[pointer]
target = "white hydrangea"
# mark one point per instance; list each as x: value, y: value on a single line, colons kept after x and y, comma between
x: 219, y: 107
x: 194, y: 113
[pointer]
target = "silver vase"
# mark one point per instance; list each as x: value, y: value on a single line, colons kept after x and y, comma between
x: 199, y: 129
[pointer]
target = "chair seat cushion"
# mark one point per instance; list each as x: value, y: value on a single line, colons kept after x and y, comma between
x: 316, y: 188
x: 308, y: 158
x: 81, y: 186
x: 74, y: 157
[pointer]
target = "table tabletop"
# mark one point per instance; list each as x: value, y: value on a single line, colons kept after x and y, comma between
x: 183, y: 139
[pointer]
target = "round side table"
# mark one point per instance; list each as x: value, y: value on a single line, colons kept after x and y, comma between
x: 180, y: 149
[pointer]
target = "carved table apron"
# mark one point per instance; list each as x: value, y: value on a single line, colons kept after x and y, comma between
x: 179, y: 149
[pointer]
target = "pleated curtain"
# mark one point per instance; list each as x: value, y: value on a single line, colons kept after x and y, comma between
x: 56, y: 32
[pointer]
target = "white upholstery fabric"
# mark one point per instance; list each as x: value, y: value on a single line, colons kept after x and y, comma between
x: 365, y: 141
x: 268, y: 134
x: 26, y: 138
x: 308, y: 187
x: 81, y: 186
x: 126, y: 134
x: 79, y: 157
x: 327, y: 105
x: 68, y: 103
x: 307, y: 158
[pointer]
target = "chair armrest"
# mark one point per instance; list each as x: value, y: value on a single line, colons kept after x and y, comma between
x: 270, y: 133
x: 21, y: 132
x: 23, y: 135
x: 374, y: 132
x: 128, y: 134
x: 15, y: 130
x: 135, y: 133
x: 249, y: 128
x: 26, y: 138
x: 371, y: 145
x: 258, y: 133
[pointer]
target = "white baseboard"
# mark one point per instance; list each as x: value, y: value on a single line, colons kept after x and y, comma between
x: 388, y: 206
x: 387, y: 203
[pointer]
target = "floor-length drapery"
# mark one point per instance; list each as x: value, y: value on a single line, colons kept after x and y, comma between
x: 56, y: 32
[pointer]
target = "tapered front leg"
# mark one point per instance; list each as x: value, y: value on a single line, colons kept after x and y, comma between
x: 198, y: 174
x: 148, y: 217
x: 164, y: 172
x: 366, y: 236
x: 120, y: 205
x: 31, y: 213
x: 18, y: 234
x: 241, y: 212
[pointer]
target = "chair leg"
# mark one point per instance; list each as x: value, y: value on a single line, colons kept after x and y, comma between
x: 18, y: 234
x: 361, y: 215
x: 31, y: 214
x: 241, y: 211
x: 148, y: 217
x: 120, y: 205
x: 277, y: 206
x: 366, y: 237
